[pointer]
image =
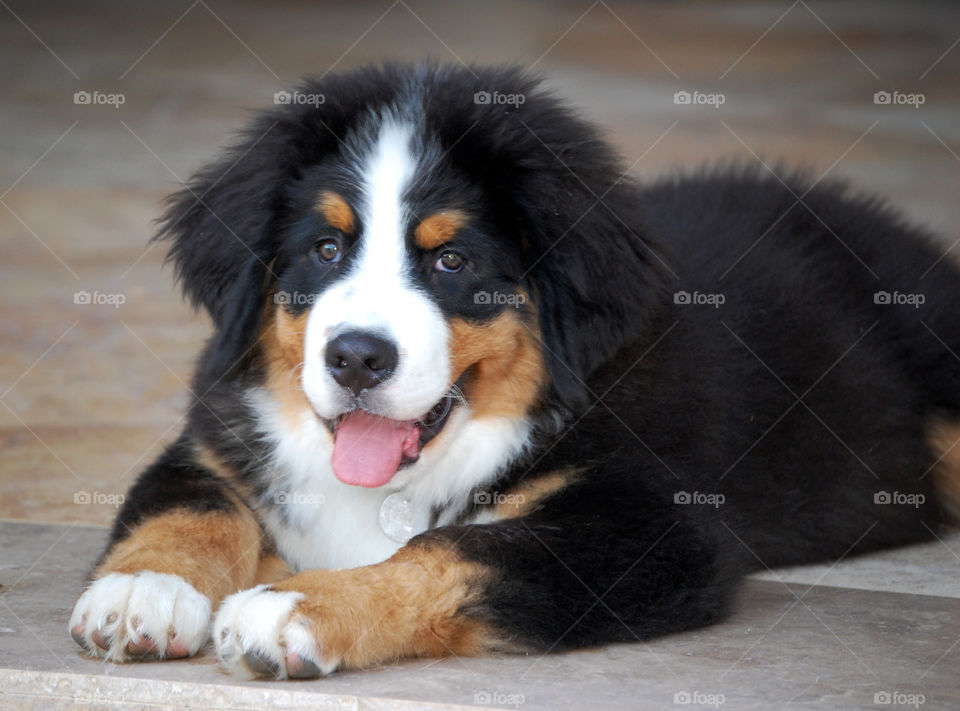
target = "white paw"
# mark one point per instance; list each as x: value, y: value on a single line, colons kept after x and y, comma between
x: 256, y: 633
x: 123, y: 617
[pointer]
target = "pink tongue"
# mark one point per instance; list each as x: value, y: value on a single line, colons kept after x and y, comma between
x: 367, y: 450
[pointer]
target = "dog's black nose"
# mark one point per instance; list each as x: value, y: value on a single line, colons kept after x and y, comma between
x: 360, y: 360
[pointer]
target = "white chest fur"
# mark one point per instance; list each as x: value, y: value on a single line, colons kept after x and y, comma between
x: 318, y: 521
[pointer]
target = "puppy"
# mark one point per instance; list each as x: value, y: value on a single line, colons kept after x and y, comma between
x: 472, y: 390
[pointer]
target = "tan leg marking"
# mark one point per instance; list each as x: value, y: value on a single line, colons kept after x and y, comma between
x: 271, y: 569
x: 407, y: 606
x: 216, y: 553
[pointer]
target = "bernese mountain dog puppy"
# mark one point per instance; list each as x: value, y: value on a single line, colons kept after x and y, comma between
x: 473, y: 390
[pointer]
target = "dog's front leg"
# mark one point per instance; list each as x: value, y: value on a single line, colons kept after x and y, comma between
x: 417, y: 603
x: 579, y: 569
x: 182, y: 542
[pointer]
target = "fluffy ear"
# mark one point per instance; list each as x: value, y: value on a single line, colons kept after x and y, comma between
x: 230, y: 210
x: 596, y: 278
x: 555, y: 185
x: 596, y: 283
x: 224, y: 216
x: 243, y: 306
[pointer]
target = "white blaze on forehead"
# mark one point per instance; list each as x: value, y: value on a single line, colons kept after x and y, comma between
x: 386, y: 176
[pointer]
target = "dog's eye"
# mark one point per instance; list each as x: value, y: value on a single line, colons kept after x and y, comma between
x: 450, y: 261
x: 327, y: 251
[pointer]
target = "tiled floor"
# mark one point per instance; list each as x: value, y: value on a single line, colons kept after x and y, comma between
x: 90, y: 392
x: 791, y: 643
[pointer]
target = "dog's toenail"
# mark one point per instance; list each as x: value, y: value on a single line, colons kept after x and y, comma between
x: 78, y: 637
x: 261, y: 664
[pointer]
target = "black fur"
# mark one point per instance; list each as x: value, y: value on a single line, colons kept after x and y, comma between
x: 796, y: 400
x: 172, y: 482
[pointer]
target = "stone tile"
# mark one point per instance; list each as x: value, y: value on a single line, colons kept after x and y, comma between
x: 924, y: 569
x: 75, y: 474
x: 784, y: 646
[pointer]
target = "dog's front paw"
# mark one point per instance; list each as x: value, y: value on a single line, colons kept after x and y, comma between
x: 124, y: 617
x: 258, y: 632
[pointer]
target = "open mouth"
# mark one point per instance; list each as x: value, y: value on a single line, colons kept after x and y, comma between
x: 368, y: 449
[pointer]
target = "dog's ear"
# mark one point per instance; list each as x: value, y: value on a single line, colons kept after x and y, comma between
x: 224, y: 227
x: 223, y: 218
x: 596, y: 279
x: 243, y: 306
x: 556, y: 186
x: 596, y: 287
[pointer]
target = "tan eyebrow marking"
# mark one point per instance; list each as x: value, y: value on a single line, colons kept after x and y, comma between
x: 439, y: 228
x: 336, y: 211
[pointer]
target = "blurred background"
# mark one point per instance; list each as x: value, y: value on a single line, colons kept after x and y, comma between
x: 106, y: 107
